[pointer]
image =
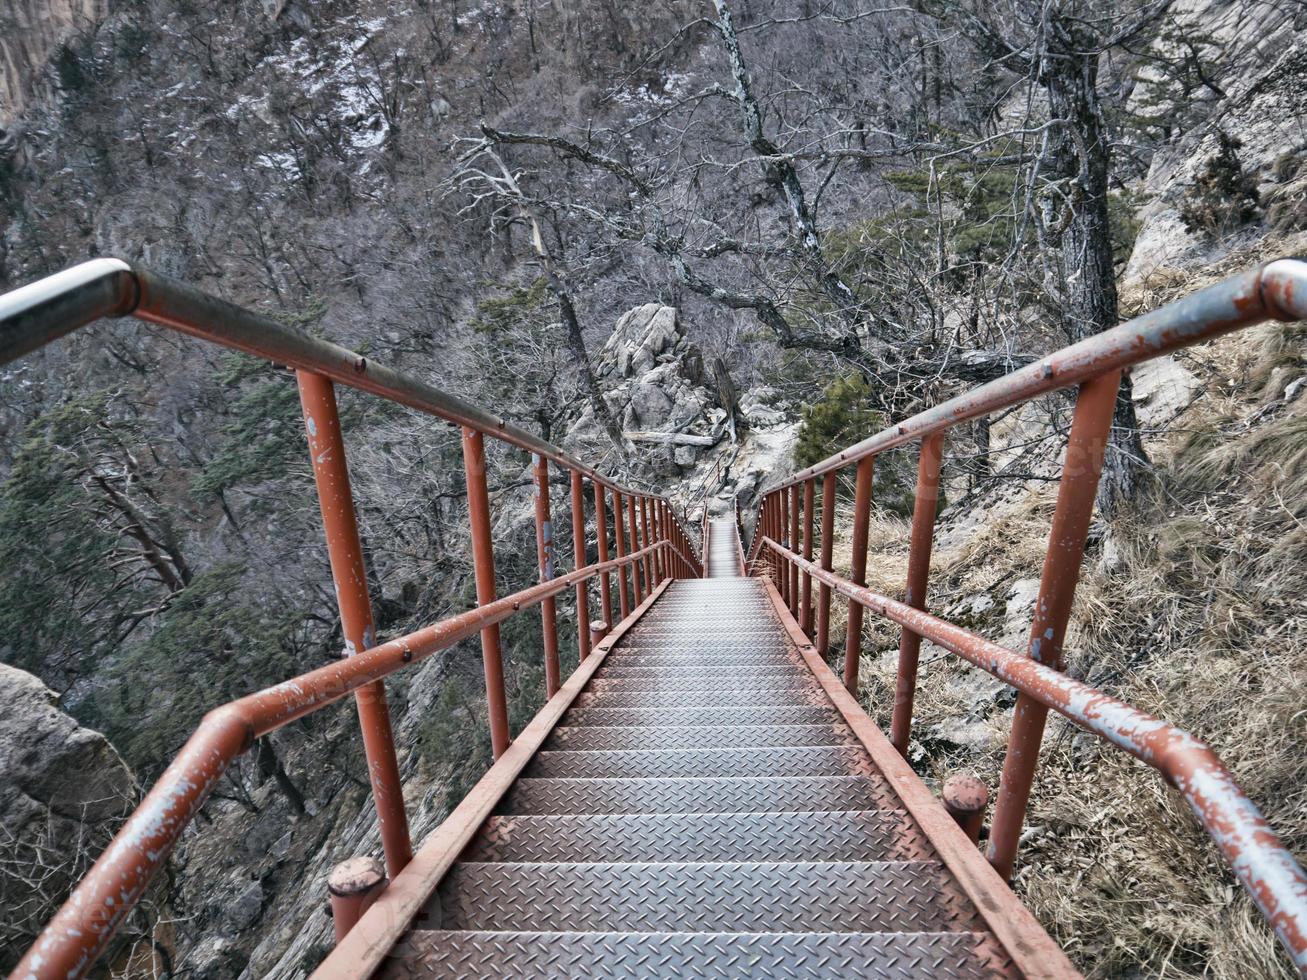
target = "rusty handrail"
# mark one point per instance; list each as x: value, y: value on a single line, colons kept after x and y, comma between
x: 34, y: 315
x: 1277, y: 290
x: 111, y: 889
x: 1265, y: 867
x: 37, y: 314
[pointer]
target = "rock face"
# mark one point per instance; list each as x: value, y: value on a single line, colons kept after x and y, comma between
x: 64, y: 791
x: 652, y: 378
x: 31, y: 31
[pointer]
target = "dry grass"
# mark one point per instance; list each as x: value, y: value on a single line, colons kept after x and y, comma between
x: 1197, y: 616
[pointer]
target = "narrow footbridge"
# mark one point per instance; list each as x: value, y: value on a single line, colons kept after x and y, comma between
x: 703, y: 796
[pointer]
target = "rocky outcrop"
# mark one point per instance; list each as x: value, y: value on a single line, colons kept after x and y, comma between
x: 1265, y: 69
x: 654, y: 382
x: 31, y: 32
x: 65, y: 789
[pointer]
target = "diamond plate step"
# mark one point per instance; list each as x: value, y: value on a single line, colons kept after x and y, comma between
x: 723, y: 956
x: 726, y: 694
x: 763, y: 795
x: 842, y: 835
x: 701, y: 763
x: 873, y: 896
x: 704, y: 680
x: 646, y: 659
x: 618, y: 738
x: 781, y: 714
x: 673, y: 673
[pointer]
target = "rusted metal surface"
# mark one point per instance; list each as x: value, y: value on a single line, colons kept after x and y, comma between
x: 546, y: 563
x: 74, y: 937
x: 483, y: 566
x: 331, y: 474
x: 372, y: 940
x: 965, y: 798
x: 858, y: 565
x: 1249, y: 845
x: 352, y: 887
x: 645, y: 827
x: 923, y: 536
x: 667, y: 698
x: 578, y: 542
x: 601, y: 537
x: 619, y: 542
x: 828, y: 492
x: 1057, y: 587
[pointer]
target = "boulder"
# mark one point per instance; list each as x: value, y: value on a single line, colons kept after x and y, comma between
x: 65, y: 790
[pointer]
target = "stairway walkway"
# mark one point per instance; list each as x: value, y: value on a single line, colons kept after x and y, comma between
x: 702, y: 810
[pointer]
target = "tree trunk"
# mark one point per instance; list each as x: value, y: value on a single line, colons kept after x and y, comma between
x: 1080, y: 153
x: 576, y: 343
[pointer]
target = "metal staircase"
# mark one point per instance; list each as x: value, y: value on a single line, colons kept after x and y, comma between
x: 703, y: 810
x: 702, y: 796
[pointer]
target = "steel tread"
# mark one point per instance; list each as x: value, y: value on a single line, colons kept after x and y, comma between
x: 777, y: 714
x: 724, y: 695
x: 691, y: 681
x: 704, y: 763
x: 720, y: 956
x: 674, y: 674
x: 832, y: 835
x: 711, y: 795
x: 630, y: 659
x: 623, y: 737
x: 870, y: 896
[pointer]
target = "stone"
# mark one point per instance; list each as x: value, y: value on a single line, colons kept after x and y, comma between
x: 1162, y: 388
x: 63, y: 791
x: 245, y: 909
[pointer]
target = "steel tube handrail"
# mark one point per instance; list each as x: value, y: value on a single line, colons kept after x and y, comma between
x: 78, y: 933
x: 1265, y: 867
x: 1277, y: 290
x: 34, y: 315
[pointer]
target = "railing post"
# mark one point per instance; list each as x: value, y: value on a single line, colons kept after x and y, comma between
x: 623, y: 591
x: 635, y: 546
x: 578, y: 540
x: 601, y: 534
x: 352, y: 888
x: 793, y: 545
x: 923, y: 536
x: 1090, y: 427
x: 649, y: 579
x: 858, y: 568
x: 483, y: 567
x: 805, y: 604
x: 331, y: 474
x: 545, y: 559
x: 828, y: 491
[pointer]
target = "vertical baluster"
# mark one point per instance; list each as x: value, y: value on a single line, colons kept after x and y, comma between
x: 805, y: 604
x: 345, y: 551
x: 635, y: 546
x: 660, y: 557
x: 605, y: 580
x: 623, y: 593
x: 483, y: 565
x: 923, y: 536
x: 794, y: 546
x: 828, y: 491
x: 545, y: 559
x: 650, y: 582
x: 578, y: 541
x: 1057, y: 586
x: 858, y: 568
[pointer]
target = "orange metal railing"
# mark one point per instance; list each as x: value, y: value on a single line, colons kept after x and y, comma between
x: 1267, y: 870
x: 659, y: 549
